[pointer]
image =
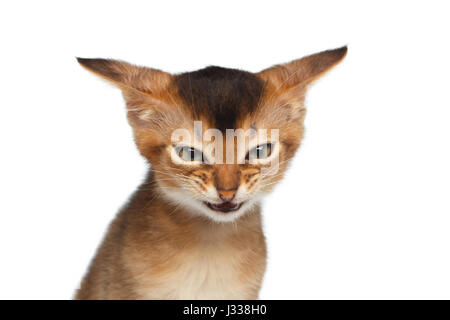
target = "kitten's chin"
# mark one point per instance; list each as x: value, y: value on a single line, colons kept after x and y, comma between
x: 225, y: 212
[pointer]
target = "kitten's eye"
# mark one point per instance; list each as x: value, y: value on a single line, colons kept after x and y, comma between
x: 260, y: 152
x: 189, y: 154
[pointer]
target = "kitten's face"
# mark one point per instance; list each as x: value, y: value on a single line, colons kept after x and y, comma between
x: 218, y: 139
x: 221, y: 178
x: 218, y: 176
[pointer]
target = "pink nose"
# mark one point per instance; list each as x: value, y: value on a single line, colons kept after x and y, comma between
x: 227, y: 195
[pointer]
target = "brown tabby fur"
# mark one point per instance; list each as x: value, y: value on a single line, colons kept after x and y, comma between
x: 158, y: 249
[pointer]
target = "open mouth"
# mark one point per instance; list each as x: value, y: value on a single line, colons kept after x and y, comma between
x: 224, y: 206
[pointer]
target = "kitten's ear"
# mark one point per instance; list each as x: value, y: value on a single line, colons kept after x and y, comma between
x: 126, y: 75
x: 303, y: 71
x: 288, y: 82
x: 143, y: 88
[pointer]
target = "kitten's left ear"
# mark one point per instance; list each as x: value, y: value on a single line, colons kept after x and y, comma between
x: 305, y: 70
x: 288, y: 82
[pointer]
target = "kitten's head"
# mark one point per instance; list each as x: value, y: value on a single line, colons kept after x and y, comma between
x: 218, y: 139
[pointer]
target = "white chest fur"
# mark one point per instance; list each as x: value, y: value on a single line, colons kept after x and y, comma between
x: 205, y: 274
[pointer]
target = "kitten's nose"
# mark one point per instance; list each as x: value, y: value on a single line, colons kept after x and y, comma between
x: 227, y: 195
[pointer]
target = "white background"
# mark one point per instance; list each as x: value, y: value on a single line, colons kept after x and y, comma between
x: 364, y: 211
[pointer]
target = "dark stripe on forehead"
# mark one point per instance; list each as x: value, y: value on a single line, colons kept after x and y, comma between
x: 221, y: 95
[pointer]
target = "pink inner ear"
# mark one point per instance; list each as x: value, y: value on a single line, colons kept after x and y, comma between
x: 139, y: 117
x: 281, y: 106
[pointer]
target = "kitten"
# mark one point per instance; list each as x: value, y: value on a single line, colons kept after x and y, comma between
x: 192, y: 230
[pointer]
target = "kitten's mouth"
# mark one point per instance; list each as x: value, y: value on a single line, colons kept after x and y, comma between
x: 224, y: 206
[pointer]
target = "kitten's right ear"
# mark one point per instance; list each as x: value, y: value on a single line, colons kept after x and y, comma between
x: 143, y: 88
x: 126, y: 75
